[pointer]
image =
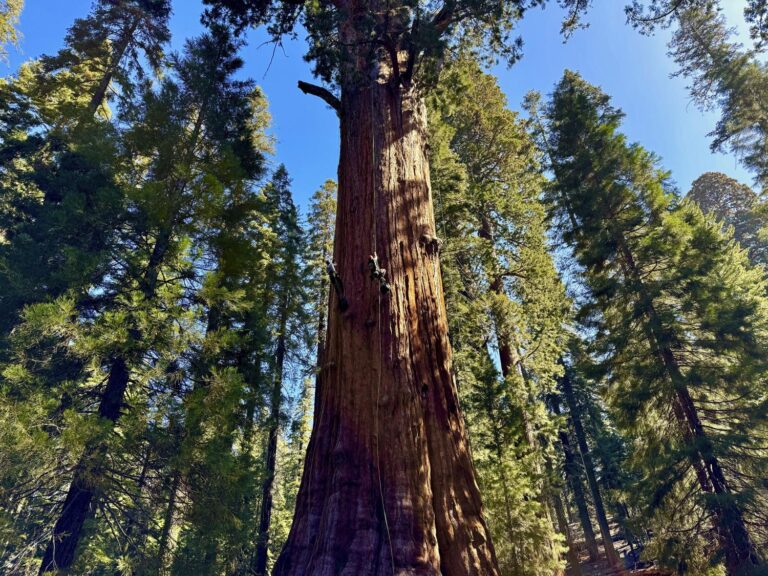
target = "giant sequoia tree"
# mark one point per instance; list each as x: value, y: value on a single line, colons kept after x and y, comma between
x: 389, y: 485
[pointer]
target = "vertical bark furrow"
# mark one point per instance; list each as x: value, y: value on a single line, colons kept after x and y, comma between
x: 388, y: 459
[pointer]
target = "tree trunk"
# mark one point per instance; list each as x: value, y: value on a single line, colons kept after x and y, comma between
x: 589, y: 469
x: 573, y: 555
x: 574, y: 481
x: 61, y: 548
x: 163, y: 546
x: 100, y: 94
x: 732, y: 533
x: 265, y: 517
x: 60, y: 552
x: 510, y: 361
x: 388, y: 484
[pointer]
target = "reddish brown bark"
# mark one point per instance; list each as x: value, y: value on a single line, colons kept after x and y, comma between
x: 388, y: 485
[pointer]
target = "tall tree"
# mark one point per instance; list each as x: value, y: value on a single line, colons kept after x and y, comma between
x: 722, y: 72
x: 735, y: 205
x: 121, y: 35
x: 573, y: 480
x: 677, y: 311
x: 493, y: 229
x: 211, y: 132
x: 289, y: 296
x: 388, y: 435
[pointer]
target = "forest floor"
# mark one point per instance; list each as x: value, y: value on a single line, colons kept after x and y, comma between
x: 602, y: 567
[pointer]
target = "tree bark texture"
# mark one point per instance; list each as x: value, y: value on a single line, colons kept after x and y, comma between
x: 388, y: 485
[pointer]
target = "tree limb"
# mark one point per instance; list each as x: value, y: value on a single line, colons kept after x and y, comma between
x: 321, y: 93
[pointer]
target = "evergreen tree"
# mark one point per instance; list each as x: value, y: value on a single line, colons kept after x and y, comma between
x: 494, y: 235
x: 288, y: 309
x: 381, y: 58
x: 722, y: 73
x: 736, y: 205
x: 678, y: 315
x: 205, y: 150
x: 10, y: 10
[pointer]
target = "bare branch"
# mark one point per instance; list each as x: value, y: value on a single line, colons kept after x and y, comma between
x: 321, y: 93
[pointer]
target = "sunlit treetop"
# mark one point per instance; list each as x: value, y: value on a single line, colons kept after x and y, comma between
x: 411, y: 36
x: 646, y: 15
x: 9, y: 18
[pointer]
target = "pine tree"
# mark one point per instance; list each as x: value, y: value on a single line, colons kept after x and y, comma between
x: 288, y: 295
x: 59, y: 164
x: 493, y: 227
x: 120, y: 36
x: 722, y: 72
x: 209, y: 141
x: 677, y: 312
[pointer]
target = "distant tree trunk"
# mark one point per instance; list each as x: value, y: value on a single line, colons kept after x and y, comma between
x: 510, y: 362
x: 388, y: 483
x: 573, y: 555
x: 265, y: 516
x: 163, y: 546
x: 574, y: 481
x: 589, y: 469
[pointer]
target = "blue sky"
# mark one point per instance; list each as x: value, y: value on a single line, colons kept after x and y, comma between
x: 634, y: 69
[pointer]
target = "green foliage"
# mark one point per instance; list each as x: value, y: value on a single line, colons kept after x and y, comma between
x: 10, y: 10
x: 733, y: 205
x: 175, y: 257
x: 722, y: 72
x: 504, y: 298
x: 424, y: 30
x: 673, y: 305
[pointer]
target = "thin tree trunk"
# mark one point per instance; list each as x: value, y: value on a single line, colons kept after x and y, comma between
x: 732, y: 533
x: 100, y: 94
x: 510, y: 362
x: 574, y: 481
x: 265, y: 517
x: 163, y: 546
x: 60, y: 552
x: 61, y: 548
x: 573, y: 555
x: 589, y: 469
x: 388, y: 483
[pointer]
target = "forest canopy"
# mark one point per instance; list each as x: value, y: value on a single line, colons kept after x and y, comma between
x: 496, y: 339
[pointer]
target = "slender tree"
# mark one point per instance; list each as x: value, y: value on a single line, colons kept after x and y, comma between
x: 666, y: 312
x: 722, y: 72
x: 208, y: 136
x: 289, y: 296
